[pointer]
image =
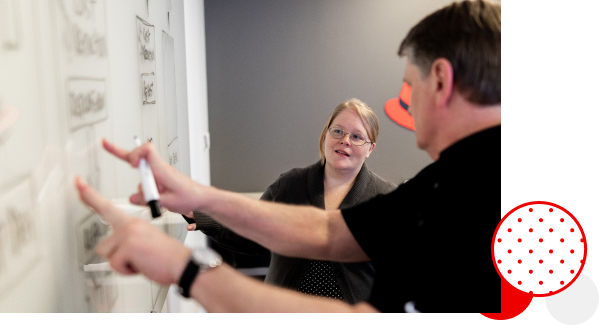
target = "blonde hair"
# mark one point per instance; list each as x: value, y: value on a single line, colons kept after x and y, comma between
x: 368, y: 116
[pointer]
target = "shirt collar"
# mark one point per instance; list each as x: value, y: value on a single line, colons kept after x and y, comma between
x: 482, y: 142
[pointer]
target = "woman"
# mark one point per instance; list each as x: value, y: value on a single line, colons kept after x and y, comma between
x: 339, y: 180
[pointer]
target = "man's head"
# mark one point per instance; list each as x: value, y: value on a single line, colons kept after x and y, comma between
x: 468, y: 35
x: 454, y: 70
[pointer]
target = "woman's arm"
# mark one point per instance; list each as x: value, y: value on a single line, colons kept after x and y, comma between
x: 224, y: 237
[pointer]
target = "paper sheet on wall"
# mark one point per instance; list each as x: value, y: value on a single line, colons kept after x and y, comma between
x: 19, y: 247
x: 170, y: 98
x: 80, y: 30
x: 146, y: 44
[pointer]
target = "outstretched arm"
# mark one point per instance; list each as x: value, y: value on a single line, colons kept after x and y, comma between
x: 299, y: 231
x: 223, y: 236
x: 137, y: 246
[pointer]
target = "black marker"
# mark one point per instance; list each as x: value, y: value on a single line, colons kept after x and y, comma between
x: 150, y: 191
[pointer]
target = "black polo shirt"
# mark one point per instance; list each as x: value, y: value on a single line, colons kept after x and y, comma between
x: 430, y: 239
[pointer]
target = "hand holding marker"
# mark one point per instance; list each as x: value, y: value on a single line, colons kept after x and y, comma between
x: 150, y: 191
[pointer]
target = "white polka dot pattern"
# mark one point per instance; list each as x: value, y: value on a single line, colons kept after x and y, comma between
x: 320, y: 280
x: 539, y: 248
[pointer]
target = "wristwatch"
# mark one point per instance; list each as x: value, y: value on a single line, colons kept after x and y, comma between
x: 200, y: 260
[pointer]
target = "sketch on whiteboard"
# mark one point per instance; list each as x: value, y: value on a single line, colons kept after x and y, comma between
x: 83, y: 33
x: 173, y: 153
x: 148, y: 88
x: 80, y: 33
x: 86, y: 101
x: 146, y: 46
x: 100, y: 282
x: 172, y: 158
x: 89, y: 232
x: 170, y: 7
x: 19, y: 248
x: 170, y: 98
x: 102, y: 288
x: 57, y: 55
x: 85, y: 8
x: 10, y: 24
x: 146, y: 41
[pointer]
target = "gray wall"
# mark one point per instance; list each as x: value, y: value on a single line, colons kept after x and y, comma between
x: 276, y: 70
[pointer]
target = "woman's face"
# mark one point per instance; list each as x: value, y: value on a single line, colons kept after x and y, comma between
x: 341, y: 154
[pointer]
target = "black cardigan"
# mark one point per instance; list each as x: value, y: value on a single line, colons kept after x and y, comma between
x: 305, y: 186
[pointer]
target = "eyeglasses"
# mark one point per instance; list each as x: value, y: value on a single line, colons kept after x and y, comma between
x: 356, y: 139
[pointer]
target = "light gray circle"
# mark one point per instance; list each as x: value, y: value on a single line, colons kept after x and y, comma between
x: 576, y: 304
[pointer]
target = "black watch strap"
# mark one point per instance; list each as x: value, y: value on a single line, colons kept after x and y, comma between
x: 188, y: 276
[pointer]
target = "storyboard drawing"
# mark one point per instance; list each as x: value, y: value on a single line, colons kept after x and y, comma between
x: 83, y: 65
x: 169, y: 5
x: 170, y: 98
x: 81, y: 36
x: 100, y: 282
x: 19, y: 247
x: 90, y: 230
x: 11, y: 31
x: 146, y: 47
x: 81, y: 33
x: 86, y: 102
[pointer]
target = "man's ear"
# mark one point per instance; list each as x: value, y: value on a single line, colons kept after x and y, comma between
x: 443, y: 76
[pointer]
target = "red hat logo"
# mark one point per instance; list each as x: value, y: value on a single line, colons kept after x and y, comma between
x: 397, y: 108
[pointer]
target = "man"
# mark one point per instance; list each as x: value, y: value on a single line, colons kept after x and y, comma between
x: 429, y: 240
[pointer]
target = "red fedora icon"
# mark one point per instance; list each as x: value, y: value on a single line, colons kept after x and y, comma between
x: 397, y: 108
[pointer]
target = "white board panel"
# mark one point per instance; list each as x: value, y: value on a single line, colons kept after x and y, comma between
x: 73, y: 72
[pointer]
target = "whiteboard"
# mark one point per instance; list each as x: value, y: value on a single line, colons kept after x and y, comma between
x: 71, y: 73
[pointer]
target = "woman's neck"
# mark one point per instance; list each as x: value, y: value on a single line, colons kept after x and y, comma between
x: 336, y: 186
x: 334, y: 178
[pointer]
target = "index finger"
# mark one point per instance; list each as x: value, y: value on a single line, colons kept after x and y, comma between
x: 102, y: 206
x: 116, y: 151
x: 145, y: 151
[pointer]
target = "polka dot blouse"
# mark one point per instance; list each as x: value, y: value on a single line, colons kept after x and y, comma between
x: 320, y: 280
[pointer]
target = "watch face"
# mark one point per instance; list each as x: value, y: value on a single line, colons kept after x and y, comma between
x: 207, y: 257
